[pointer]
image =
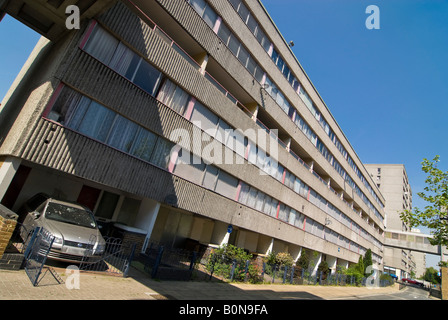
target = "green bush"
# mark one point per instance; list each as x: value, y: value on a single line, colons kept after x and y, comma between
x: 355, y: 272
x: 324, y: 269
x: 284, y: 259
x: 388, y: 278
x: 221, y: 261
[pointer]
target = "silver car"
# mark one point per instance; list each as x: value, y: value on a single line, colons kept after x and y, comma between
x: 77, y: 237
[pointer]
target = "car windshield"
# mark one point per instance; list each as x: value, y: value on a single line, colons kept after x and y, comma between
x: 72, y: 215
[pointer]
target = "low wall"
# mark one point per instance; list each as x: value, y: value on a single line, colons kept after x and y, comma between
x: 8, y: 222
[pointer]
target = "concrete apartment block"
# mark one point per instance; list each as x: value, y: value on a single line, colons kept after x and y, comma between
x: 95, y: 117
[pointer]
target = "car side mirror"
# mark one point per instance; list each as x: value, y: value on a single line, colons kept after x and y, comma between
x: 36, y: 215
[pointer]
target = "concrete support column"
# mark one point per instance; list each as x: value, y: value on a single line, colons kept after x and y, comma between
x: 8, y: 168
x: 146, y: 218
x: 311, y: 166
x: 298, y: 255
x: 271, y: 247
x: 332, y: 263
x: 343, y: 263
x: 317, y: 261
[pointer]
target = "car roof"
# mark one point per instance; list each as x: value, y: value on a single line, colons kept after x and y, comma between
x: 68, y: 203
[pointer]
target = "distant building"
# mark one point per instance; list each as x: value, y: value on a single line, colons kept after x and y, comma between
x: 392, y: 181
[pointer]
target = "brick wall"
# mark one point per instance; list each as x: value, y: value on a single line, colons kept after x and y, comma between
x: 7, y: 227
x: 130, y: 238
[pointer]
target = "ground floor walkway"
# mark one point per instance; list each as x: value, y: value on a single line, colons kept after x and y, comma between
x: 15, y: 285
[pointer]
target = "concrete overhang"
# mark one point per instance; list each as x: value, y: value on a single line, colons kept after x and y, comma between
x: 48, y: 17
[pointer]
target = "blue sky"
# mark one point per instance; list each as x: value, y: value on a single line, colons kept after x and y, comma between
x: 386, y: 88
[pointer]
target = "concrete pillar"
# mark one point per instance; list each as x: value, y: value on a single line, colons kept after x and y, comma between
x: 225, y: 240
x: 8, y: 168
x: 271, y: 247
x: 332, y: 262
x: 202, y: 59
x: 146, y: 218
x: 298, y: 255
x: 311, y: 166
x: 317, y: 261
x: 241, y: 241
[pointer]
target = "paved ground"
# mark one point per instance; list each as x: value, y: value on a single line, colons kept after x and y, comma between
x: 15, y: 285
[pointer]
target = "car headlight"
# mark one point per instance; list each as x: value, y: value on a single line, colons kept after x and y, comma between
x: 100, y: 248
x: 58, y: 240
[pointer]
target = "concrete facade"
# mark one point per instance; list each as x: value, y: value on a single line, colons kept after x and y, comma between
x: 339, y: 216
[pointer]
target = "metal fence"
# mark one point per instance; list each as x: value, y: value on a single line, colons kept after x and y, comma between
x: 36, y: 254
x: 222, y: 268
x: 163, y: 262
x: 116, y: 259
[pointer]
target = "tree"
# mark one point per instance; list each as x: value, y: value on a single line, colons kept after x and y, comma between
x: 304, y: 261
x: 431, y: 275
x: 360, y: 265
x: 434, y: 216
x: 367, y: 262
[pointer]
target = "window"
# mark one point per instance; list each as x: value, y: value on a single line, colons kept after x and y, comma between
x: 95, y: 121
x: 243, y: 12
x: 284, y: 212
x: 296, y: 218
x: 280, y: 63
x: 306, y: 99
x: 235, y: 3
x: 189, y: 167
x: 162, y: 153
x: 274, y: 56
x: 117, y: 56
x: 204, y: 118
x: 224, y: 33
x: 144, y: 144
x: 301, y: 188
x: 147, y: 77
x: 223, y: 131
x: 237, y: 142
x: 290, y: 180
x: 270, y: 206
x: 122, y: 134
x: 226, y: 185
x: 243, y: 56
x: 210, y: 177
x: 198, y: 5
x: 210, y: 17
x: 106, y: 207
x: 174, y: 97
x: 101, y: 45
x: 234, y: 44
x: 128, y: 211
x: 252, y: 24
x: 125, y: 61
x: 258, y: 200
